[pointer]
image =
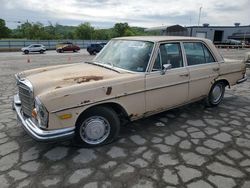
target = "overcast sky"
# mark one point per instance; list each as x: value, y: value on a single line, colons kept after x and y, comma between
x: 143, y: 13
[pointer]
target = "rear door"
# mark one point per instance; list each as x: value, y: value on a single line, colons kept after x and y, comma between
x: 37, y: 48
x: 202, y: 67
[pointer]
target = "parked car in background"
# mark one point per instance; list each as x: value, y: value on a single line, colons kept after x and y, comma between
x: 95, y: 48
x: 233, y: 42
x: 67, y: 47
x: 131, y: 78
x: 34, y: 48
x: 60, y: 44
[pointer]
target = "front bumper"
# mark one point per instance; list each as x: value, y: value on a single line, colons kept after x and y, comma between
x: 242, y: 79
x: 35, y: 132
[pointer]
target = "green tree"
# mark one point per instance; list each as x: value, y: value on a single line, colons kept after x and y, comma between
x: 4, y: 31
x: 25, y: 29
x: 102, y: 34
x: 120, y: 29
x: 129, y: 32
x: 85, y: 31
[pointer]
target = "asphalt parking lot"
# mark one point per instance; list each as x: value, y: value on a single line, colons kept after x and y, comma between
x: 191, y: 146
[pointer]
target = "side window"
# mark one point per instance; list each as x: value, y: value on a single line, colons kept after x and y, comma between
x: 169, y: 53
x: 197, y: 53
x: 208, y: 56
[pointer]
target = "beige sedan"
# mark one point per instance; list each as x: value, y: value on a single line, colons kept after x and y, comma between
x: 131, y: 78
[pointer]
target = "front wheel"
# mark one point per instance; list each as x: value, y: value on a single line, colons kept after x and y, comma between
x: 98, y: 126
x: 216, y: 94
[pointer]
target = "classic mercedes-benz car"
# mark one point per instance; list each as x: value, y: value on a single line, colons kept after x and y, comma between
x: 131, y: 78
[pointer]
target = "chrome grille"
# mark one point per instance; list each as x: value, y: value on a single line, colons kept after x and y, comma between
x: 26, y: 97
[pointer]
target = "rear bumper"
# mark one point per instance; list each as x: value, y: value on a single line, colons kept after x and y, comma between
x: 242, y: 79
x: 35, y: 132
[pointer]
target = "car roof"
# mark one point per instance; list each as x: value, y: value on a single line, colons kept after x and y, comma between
x: 160, y: 38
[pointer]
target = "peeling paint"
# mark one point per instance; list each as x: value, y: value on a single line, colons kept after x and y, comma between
x: 86, y: 101
x: 133, y: 115
x: 81, y: 79
x: 109, y: 90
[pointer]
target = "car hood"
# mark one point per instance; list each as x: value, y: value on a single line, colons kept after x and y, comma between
x: 53, y: 78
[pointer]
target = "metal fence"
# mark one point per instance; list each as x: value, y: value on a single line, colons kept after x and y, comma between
x: 13, y: 45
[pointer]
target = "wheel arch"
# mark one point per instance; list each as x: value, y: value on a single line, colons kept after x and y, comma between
x: 223, y: 80
x: 116, y: 107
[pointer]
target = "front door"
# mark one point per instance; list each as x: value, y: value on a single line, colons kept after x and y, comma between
x: 169, y: 89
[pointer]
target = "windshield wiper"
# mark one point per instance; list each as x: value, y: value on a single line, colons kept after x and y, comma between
x: 102, y: 65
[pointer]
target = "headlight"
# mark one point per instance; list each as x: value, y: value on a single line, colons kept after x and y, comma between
x: 42, y: 114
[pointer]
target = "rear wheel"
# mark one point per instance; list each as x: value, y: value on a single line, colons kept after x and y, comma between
x: 97, y: 126
x: 216, y: 94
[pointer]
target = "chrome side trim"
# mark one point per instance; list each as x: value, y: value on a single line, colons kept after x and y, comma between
x: 242, y: 79
x: 119, y: 96
x: 35, y: 132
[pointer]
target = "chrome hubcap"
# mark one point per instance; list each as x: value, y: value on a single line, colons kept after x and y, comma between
x: 95, y: 130
x: 217, y: 92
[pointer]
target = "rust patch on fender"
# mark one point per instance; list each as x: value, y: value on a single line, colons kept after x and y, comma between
x: 133, y: 115
x: 81, y: 79
x: 86, y: 101
x: 57, y: 87
x: 109, y: 90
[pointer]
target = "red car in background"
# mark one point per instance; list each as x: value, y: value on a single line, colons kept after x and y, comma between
x: 64, y: 47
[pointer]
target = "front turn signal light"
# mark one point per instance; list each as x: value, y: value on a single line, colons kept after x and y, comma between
x: 65, y: 116
x: 34, y: 113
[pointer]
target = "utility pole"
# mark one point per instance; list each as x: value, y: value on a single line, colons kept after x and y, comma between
x: 199, y: 16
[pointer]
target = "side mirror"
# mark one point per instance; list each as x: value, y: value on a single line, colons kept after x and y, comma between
x: 165, y: 68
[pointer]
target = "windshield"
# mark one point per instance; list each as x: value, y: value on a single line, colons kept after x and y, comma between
x: 126, y: 54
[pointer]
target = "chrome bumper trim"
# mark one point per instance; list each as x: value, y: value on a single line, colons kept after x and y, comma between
x: 35, y: 132
x: 242, y: 80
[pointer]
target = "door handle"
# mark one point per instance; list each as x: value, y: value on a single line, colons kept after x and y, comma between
x: 216, y: 69
x: 186, y: 74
